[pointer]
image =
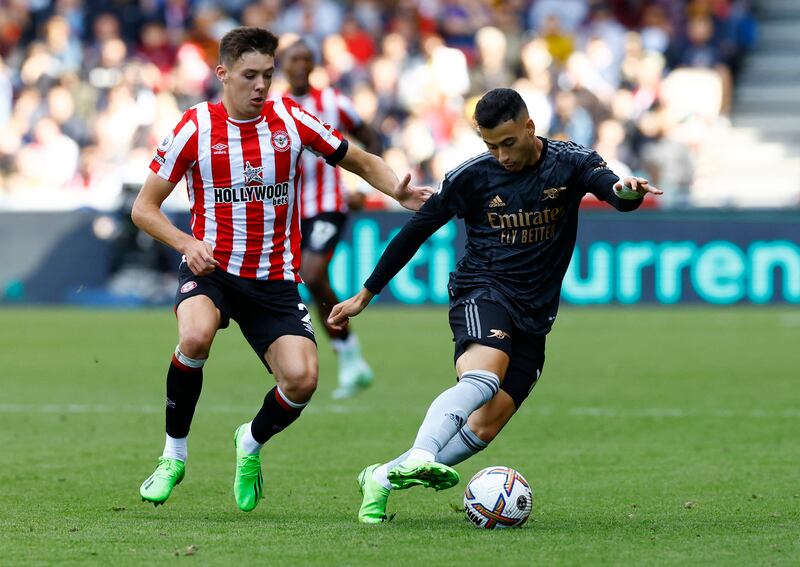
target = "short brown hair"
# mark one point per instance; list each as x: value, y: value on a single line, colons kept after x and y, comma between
x: 244, y: 39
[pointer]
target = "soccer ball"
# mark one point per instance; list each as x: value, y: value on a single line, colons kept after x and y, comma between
x: 498, y: 497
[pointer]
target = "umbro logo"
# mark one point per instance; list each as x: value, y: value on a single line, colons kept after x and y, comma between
x: 498, y: 334
x: 496, y: 202
x: 219, y: 148
x: 553, y: 192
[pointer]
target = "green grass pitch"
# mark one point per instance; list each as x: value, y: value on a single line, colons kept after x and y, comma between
x: 657, y: 436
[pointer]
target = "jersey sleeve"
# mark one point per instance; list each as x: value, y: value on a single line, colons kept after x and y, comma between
x: 431, y: 217
x: 177, y: 152
x: 594, y: 176
x: 317, y: 136
x: 348, y: 116
x: 451, y: 193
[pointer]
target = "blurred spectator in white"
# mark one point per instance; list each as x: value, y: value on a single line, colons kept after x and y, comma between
x: 491, y: 70
x: 190, y: 75
x: 647, y: 87
x: 50, y: 161
x: 536, y: 94
x: 593, y: 91
x: 6, y: 93
x: 667, y: 161
x: 703, y: 52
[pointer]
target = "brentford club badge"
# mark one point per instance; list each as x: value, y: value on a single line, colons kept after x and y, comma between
x: 188, y: 286
x: 281, y: 141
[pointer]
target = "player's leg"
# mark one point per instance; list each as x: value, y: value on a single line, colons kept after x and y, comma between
x: 481, y: 369
x: 283, y: 333
x: 321, y: 234
x: 524, y: 370
x: 447, y: 415
x: 198, y: 320
x: 482, y: 358
x: 293, y: 360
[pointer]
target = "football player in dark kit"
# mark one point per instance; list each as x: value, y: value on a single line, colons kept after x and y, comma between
x: 520, y: 204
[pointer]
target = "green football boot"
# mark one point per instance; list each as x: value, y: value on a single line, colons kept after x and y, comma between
x: 248, y: 482
x: 373, y: 505
x: 429, y: 474
x: 159, y: 485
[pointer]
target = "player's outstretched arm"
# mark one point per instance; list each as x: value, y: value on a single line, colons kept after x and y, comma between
x: 377, y: 173
x: 341, y: 312
x: 147, y: 215
x: 634, y: 188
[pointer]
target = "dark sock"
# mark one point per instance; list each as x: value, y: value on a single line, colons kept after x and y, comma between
x: 183, y: 390
x: 275, y: 415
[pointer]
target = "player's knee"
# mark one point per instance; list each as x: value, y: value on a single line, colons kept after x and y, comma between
x: 300, y: 383
x: 196, y: 343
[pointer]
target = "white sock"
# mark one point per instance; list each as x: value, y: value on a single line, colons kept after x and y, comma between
x: 461, y: 447
x: 420, y: 456
x: 175, y: 448
x: 248, y: 444
x: 380, y: 474
x: 449, y: 411
x: 345, y: 345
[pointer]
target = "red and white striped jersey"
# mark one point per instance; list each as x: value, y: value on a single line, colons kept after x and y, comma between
x: 322, y: 186
x: 243, y: 182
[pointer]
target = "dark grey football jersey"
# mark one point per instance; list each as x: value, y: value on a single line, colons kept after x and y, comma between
x: 521, y: 227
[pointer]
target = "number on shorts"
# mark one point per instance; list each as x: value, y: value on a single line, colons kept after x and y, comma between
x: 321, y: 232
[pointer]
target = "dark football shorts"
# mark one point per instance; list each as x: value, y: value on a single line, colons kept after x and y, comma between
x: 322, y: 233
x: 481, y: 317
x: 264, y: 310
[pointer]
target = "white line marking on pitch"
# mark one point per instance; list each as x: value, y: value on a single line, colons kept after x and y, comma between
x: 543, y: 411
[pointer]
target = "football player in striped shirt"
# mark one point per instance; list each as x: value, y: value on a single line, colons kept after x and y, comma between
x: 325, y: 202
x: 240, y: 158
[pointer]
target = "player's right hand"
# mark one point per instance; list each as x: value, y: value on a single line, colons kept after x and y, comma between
x: 410, y: 196
x: 341, y: 312
x: 200, y: 257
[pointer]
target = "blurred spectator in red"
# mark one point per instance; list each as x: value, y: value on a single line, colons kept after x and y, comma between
x: 359, y: 43
x: 156, y: 48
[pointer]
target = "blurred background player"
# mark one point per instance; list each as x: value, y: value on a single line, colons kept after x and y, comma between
x: 324, y: 205
x: 242, y: 260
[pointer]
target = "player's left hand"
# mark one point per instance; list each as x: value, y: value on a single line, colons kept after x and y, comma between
x: 635, y: 188
x: 410, y: 196
x: 341, y: 312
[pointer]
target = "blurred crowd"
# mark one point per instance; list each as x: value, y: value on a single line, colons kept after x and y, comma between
x: 88, y: 88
